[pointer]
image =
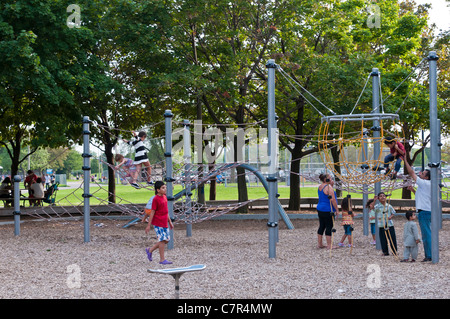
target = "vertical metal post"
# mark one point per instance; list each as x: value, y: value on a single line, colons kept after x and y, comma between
x: 272, y: 179
x: 376, y: 137
x: 16, y: 212
x: 440, y: 173
x: 365, y: 167
x: 86, y: 170
x: 187, y: 174
x: 169, y: 171
x: 434, y: 164
x: 177, y: 285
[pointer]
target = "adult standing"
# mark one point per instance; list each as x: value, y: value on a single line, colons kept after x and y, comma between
x: 423, y: 205
x: 326, y: 208
x: 30, y: 179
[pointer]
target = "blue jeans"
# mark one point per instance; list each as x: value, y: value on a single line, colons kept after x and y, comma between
x: 390, y: 158
x: 425, y: 229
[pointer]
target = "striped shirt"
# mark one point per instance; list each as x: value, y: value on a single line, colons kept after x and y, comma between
x: 141, y: 152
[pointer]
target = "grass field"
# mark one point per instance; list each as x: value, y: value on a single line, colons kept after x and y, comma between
x: 67, y: 196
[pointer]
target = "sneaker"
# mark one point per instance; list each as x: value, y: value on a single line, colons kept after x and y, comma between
x: 341, y: 245
x: 165, y: 262
x: 150, y: 183
x: 373, y: 242
x: 404, y: 260
x: 426, y: 259
x: 149, y: 254
x: 135, y: 185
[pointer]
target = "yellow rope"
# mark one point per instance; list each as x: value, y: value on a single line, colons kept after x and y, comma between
x: 352, y: 168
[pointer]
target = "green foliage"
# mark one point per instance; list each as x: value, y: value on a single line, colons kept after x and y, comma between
x: 130, y: 60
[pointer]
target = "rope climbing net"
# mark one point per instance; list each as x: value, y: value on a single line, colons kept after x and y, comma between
x: 366, y: 169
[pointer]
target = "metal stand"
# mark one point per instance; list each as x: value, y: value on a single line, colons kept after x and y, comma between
x: 176, y: 274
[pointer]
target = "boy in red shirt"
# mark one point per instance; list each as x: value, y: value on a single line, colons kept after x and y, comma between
x: 159, y: 218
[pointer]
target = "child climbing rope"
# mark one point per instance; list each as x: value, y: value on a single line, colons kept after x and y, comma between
x: 385, y: 212
x: 141, y: 154
x: 397, y: 152
x: 128, y: 166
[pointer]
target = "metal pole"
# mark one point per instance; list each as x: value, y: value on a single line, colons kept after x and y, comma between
x: 365, y: 167
x: 169, y: 168
x: 376, y: 136
x: 187, y: 174
x: 272, y: 179
x: 16, y: 212
x: 440, y: 173
x: 434, y: 164
x: 86, y: 169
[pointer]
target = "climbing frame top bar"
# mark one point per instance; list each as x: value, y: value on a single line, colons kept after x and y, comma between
x: 360, y: 117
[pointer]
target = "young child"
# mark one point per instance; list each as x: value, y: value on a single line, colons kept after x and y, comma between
x: 397, y: 151
x: 129, y: 168
x: 385, y: 212
x: 347, y: 222
x: 410, y: 238
x: 141, y: 154
x: 147, y: 210
x: 371, y: 205
x: 159, y: 218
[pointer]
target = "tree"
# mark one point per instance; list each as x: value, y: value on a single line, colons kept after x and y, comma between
x: 43, y: 71
x: 72, y: 162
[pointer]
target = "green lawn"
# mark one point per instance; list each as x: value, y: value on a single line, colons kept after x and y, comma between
x: 67, y: 196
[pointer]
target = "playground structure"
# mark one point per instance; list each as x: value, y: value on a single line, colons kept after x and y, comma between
x: 188, y: 208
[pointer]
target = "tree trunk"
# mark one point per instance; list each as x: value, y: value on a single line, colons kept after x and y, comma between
x: 241, y: 184
x: 111, y: 173
x: 212, y: 185
x: 294, y: 189
x: 335, y: 153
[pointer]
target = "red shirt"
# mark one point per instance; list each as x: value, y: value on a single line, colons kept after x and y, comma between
x: 161, y: 217
x: 29, y: 179
x: 401, y: 147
